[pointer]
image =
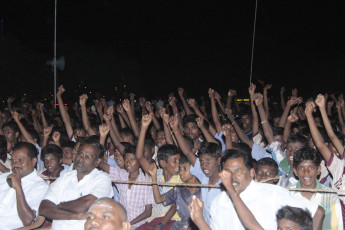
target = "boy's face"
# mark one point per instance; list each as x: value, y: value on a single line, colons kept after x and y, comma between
x: 307, y: 171
x: 265, y: 172
x: 131, y: 163
x: 191, y: 129
x: 148, y: 152
x: 285, y: 224
x: 51, y: 162
x: 246, y: 122
x: 119, y: 159
x: 172, y: 164
x: 292, y: 147
x: 67, y: 153
x: 209, y: 164
x: 10, y: 135
x: 185, y: 172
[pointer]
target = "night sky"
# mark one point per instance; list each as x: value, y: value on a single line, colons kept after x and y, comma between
x: 153, y: 47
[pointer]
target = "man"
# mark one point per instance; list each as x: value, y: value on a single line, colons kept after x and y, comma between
x: 11, y: 133
x: 106, y: 214
x: 263, y: 200
x: 71, y: 195
x: 22, y: 191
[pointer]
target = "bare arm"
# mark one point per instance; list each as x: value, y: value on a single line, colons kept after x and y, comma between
x: 227, y: 133
x: 205, y: 132
x: 215, y: 116
x: 255, y: 119
x: 154, y: 119
x: 65, y: 117
x: 264, y: 120
x: 44, y: 120
x: 114, y: 138
x: 23, y: 130
x: 282, y: 100
x: 145, y: 122
x: 340, y: 116
x: 86, y: 122
x: 127, y: 107
x: 287, y: 129
x: 46, y: 132
x: 288, y: 106
x: 53, y: 212
x: 146, y: 214
x: 318, y: 218
x: 266, y: 88
x: 157, y: 195
x: 184, y: 102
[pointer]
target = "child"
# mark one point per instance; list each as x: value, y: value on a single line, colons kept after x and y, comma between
x: 294, y: 218
x: 52, y: 158
x: 181, y: 196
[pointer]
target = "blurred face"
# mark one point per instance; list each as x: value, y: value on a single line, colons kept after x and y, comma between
x: 119, y: 159
x: 246, y: 123
x: 191, y: 129
x: 284, y: 224
x: 153, y: 132
x: 51, y: 163
x: 148, y: 152
x: 209, y: 164
x: 21, y: 162
x: 292, y: 147
x: 172, y: 165
x: 185, y: 172
x: 307, y: 171
x: 126, y: 138
x: 241, y: 176
x: 103, y: 216
x: 265, y: 172
x: 111, y: 147
x: 160, y: 139
x: 10, y: 135
x: 131, y: 163
x: 276, y: 121
x: 5, y: 117
x: 86, y: 159
x: 80, y: 133
x: 67, y: 153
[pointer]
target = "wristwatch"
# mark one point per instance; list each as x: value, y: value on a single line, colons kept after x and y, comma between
x: 161, y: 225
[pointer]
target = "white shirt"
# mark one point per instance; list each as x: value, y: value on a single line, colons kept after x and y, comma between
x: 67, y: 188
x: 34, y: 189
x: 262, y: 199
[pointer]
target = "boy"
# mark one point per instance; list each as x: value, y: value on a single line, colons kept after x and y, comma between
x: 52, y: 158
x: 266, y: 170
x: 294, y: 219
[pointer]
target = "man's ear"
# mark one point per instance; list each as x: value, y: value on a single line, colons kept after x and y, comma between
x: 252, y: 173
x: 98, y: 161
x: 34, y: 161
x: 126, y: 226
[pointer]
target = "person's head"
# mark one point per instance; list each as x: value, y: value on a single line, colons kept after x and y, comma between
x: 11, y: 131
x: 278, y: 136
x: 291, y: 218
x: 127, y: 135
x: 306, y: 166
x: 67, y: 149
x: 5, y: 116
x: 52, y: 158
x: 246, y: 119
x: 88, y: 157
x: 190, y: 127
x: 240, y: 164
x: 294, y: 143
x: 149, y: 148
x: 24, y: 158
x: 168, y: 158
x: 209, y: 155
x: 131, y: 162
x: 266, y: 168
x: 160, y: 138
x: 185, y: 174
x: 106, y: 214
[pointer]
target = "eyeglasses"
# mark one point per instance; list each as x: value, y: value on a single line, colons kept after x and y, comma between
x: 86, y: 157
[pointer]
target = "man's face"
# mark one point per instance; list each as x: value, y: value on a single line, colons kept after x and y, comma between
x: 265, y: 172
x: 285, y: 224
x: 246, y: 123
x: 292, y: 147
x: 86, y: 159
x: 22, y: 163
x: 160, y: 139
x: 103, y: 216
x: 10, y: 135
x: 241, y: 176
x: 209, y: 164
x: 307, y: 171
x: 191, y: 129
x: 172, y: 164
x: 51, y: 163
x: 131, y: 162
x: 67, y: 153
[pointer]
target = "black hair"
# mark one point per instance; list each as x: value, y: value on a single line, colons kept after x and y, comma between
x: 269, y: 162
x: 12, y: 125
x: 305, y: 154
x: 246, y: 111
x: 278, y: 131
x: 127, y: 132
x: 184, y: 159
x: 92, y: 141
x: 166, y: 151
x: 149, y: 142
x: 232, y: 154
x: 189, y: 118
x: 242, y: 146
x: 3, y: 145
x: 301, y: 217
x: 34, y: 134
x: 210, y: 148
x: 68, y: 144
x: 126, y: 145
x: 298, y: 138
x: 51, y: 149
x: 32, y: 151
x: 129, y: 149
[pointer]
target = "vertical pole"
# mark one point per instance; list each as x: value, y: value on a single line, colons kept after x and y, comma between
x: 253, y: 42
x: 55, y: 55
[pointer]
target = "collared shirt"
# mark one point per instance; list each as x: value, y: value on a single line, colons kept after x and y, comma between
x: 135, y: 198
x: 262, y: 199
x: 330, y: 202
x: 159, y: 210
x: 287, y: 180
x: 68, y: 188
x: 46, y: 176
x: 207, y: 195
x: 181, y: 196
x: 34, y: 190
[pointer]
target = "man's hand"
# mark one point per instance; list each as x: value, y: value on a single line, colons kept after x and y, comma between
x: 107, y: 118
x: 195, y: 209
x: 173, y: 121
x: 292, y: 118
x: 258, y: 99
x: 119, y: 108
x: 226, y: 129
x: 15, y: 116
x: 56, y: 136
x: 320, y: 101
x: 191, y: 102
x: 267, y: 87
x: 15, y: 179
x: 251, y: 89
x: 217, y: 96
x: 110, y: 110
x: 47, y: 130
x: 146, y: 120
x: 103, y: 130
x: 211, y: 93
x: 309, y: 108
x: 60, y: 91
x: 226, y: 178
x: 83, y: 99
x: 200, y: 122
x: 126, y: 105
x: 180, y: 91
x: 232, y: 93
x: 148, y: 106
x: 153, y: 171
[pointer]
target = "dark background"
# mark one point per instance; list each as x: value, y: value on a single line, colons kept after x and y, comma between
x: 153, y: 47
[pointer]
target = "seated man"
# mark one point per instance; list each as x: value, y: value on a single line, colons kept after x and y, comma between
x: 105, y: 213
x: 71, y: 195
x: 22, y: 191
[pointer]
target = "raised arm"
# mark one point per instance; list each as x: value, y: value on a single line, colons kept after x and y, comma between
x: 255, y: 119
x: 340, y: 116
x: 166, y: 127
x: 127, y: 107
x: 267, y: 109
x: 86, y: 122
x: 43, y: 117
x: 123, y: 118
x: 154, y: 119
x: 46, y: 132
x: 321, y: 102
x: 37, y: 125
x: 288, y: 106
x: 264, y: 120
x: 292, y: 118
x: 114, y: 138
x: 215, y: 117
x: 318, y: 140
x: 172, y: 102
x: 205, y: 132
x: 227, y: 133
x: 23, y: 130
x: 65, y: 117
x: 103, y: 133
x: 194, y: 106
x: 219, y: 101
x: 282, y: 100
x: 184, y: 102
x: 145, y: 122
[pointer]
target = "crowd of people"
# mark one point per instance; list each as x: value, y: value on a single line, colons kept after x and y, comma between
x: 175, y: 162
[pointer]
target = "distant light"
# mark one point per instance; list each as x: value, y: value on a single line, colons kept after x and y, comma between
x: 124, y: 86
x: 24, y: 94
x: 243, y: 99
x: 90, y: 91
x: 85, y: 87
x: 45, y: 99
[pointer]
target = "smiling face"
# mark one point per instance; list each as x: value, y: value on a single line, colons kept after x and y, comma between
x: 131, y: 163
x: 292, y: 147
x: 51, y: 163
x: 307, y: 171
x: 241, y: 176
x: 209, y: 164
x: 119, y: 159
x: 22, y: 163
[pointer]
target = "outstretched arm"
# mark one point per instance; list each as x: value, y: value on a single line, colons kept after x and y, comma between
x: 264, y: 120
x: 23, y: 130
x: 86, y: 122
x: 267, y: 109
x: 205, y: 132
x: 145, y: 122
x: 65, y: 117
x: 215, y: 117
x: 184, y: 102
x: 127, y: 107
x: 157, y: 195
x: 255, y: 119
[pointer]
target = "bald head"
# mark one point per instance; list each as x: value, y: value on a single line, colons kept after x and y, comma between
x: 104, y: 214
